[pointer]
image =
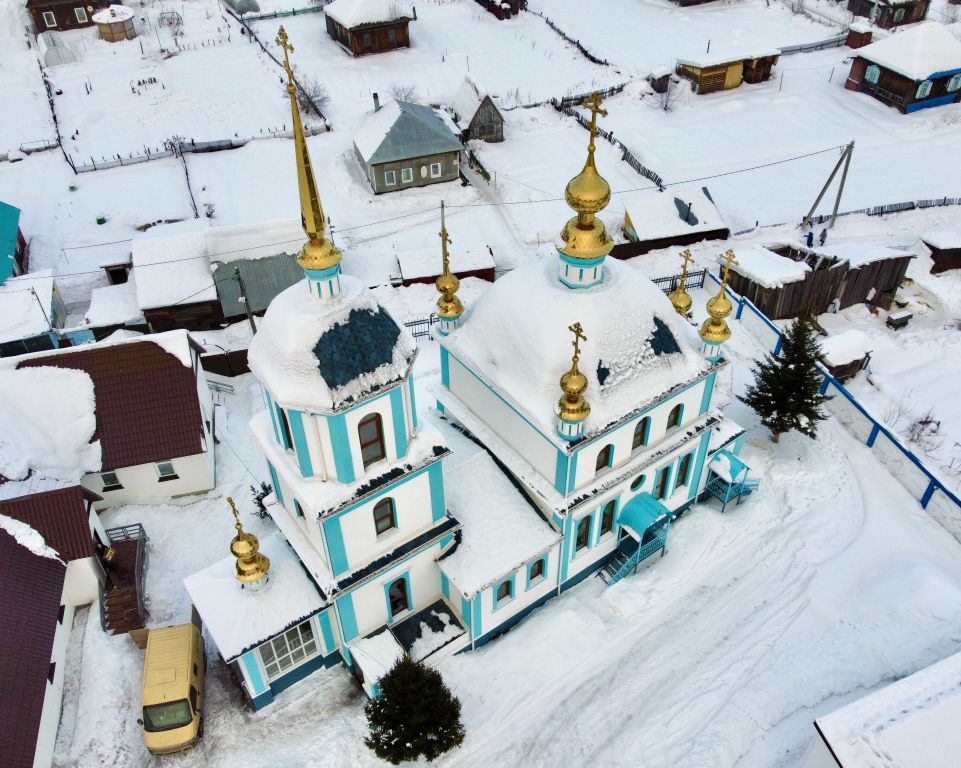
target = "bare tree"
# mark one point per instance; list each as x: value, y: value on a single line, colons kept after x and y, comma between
x: 401, y: 92
x: 312, y: 95
x: 175, y: 144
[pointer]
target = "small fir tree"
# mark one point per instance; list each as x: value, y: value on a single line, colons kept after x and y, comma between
x: 416, y: 714
x: 786, y: 392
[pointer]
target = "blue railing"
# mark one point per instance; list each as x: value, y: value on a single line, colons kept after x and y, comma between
x: 624, y: 563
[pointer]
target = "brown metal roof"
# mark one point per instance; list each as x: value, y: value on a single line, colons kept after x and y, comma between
x: 30, y: 591
x: 147, y: 404
x: 59, y: 516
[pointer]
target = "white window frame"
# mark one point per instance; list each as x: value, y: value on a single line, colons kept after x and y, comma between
x: 50, y: 19
x: 287, y: 646
x: 954, y: 83
x: 406, y: 175
x: 435, y: 174
x: 171, y: 475
x: 872, y: 74
x: 78, y: 12
x: 924, y: 89
x: 110, y: 486
x: 899, y: 15
x: 390, y: 178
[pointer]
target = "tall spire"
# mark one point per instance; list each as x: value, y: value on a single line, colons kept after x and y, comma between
x: 252, y: 567
x: 679, y: 297
x: 586, y: 241
x: 572, y: 408
x: 715, y: 330
x: 319, y: 257
x: 449, y: 307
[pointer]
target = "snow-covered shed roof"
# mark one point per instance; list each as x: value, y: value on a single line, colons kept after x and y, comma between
x: 377, y: 653
x: 427, y: 263
x: 171, y: 266
x: 858, y: 254
x: 501, y: 529
x: 356, y: 13
x: 912, y: 723
x: 21, y: 316
x: 237, y: 618
x: 113, y: 14
x: 845, y: 347
x: 467, y: 100
x: 47, y: 425
x: 678, y: 211
x: 726, y: 56
x: 767, y: 268
x: 926, y: 51
x: 400, y: 131
x: 943, y: 239
x: 319, y: 355
x: 637, y: 347
x: 113, y: 305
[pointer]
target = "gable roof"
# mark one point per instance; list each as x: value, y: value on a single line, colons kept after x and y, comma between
x: 402, y: 131
x: 30, y: 590
x: 146, y: 397
x: 920, y: 53
x: 21, y: 299
x: 9, y: 226
x: 356, y: 13
x: 60, y: 516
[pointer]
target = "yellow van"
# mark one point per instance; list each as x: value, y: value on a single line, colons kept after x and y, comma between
x: 173, y: 687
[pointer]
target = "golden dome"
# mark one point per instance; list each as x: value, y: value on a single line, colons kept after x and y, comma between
x: 679, y: 297
x: 572, y: 406
x: 588, y: 192
x: 715, y: 329
x: 448, y: 305
x: 251, y: 566
x: 318, y: 254
x: 587, y: 242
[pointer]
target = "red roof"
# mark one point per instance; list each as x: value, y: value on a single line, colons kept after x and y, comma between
x: 30, y: 590
x: 59, y: 516
x: 147, y: 404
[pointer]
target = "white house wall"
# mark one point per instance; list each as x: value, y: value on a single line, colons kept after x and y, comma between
x: 195, y: 474
x: 491, y: 618
x: 53, y: 696
x: 80, y: 584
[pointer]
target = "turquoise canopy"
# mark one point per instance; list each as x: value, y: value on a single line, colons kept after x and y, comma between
x: 641, y: 512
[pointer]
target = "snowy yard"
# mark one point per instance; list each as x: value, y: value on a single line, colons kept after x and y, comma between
x: 28, y: 119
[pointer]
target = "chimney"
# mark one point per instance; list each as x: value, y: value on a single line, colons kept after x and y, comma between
x: 859, y: 35
x: 376, y: 102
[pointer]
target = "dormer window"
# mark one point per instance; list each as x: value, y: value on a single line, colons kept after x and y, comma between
x: 371, y: 433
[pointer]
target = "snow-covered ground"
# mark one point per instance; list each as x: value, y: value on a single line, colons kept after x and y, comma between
x: 28, y: 119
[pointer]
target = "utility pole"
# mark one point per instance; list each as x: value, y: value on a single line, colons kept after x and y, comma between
x: 243, y: 299
x: 844, y: 160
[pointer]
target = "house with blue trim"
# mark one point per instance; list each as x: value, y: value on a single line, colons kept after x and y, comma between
x: 13, y: 245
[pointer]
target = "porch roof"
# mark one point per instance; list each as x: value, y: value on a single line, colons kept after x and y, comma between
x: 641, y: 512
x: 728, y: 467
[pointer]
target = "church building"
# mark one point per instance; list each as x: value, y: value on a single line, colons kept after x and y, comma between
x: 594, y: 419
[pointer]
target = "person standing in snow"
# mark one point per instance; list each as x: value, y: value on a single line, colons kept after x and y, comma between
x: 810, y: 238
x: 823, y: 236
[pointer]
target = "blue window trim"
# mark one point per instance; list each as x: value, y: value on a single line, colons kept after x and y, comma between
x: 253, y: 671
x: 647, y: 431
x: 276, y: 481
x: 680, y: 416
x: 690, y: 471
x: 575, y: 552
x: 273, y: 417
x: 399, y: 421
x: 531, y: 564
x: 282, y: 434
x: 296, y: 421
x: 298, y: 510
x: 600, y: 518
x: 496, y: 604
x: 340, y: 444
x: 668, y: 490
x: 410, y: 603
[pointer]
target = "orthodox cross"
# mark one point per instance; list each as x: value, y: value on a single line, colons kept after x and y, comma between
x: 593, y: 103
x: 578, y: 338
x: 686, y: 259
x: 728, y: 261
x: 233, y: 508
x: 288, y: 48
x: 444, y: 239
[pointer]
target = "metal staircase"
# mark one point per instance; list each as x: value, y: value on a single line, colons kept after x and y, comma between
x: 624, y: 562
x: 725, y: 491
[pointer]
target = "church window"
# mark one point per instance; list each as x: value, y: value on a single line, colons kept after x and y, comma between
x: 674, y: 417
x: 390, y: 178
x: 288, y: 438
x: 640, y: 433
x: 873, y: 73
x: 924, y: 90
x: 397, y: 597
x: 660, y: 489
x: 371, y: 432
x: 298, y: 509
x: 583, y: 538
x: 110, y: 481
x: 683, y: 472
x: 385, y: 517
x: 537, y: 571
x: 505, y: 593
x: 607, y: 517
x: 166, y: 471
x: 605, y: 458
x: 638, y: 482
x: 287, y: 650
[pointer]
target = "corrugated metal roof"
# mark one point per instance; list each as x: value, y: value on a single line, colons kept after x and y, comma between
x: 263, y: 278
x: 60, y: 516
x: 401, y: 131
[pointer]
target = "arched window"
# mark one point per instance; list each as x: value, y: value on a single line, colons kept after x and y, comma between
x: 607, y: 517
x: 285, y: 426
x: 660, y: 487
x: 385, y: 516
x: 504, y: 591
x: 674, y: 417
x: 371, y: 433
x: 605, y: 458
x: 640, y: 433
x: 397, y: 596
x: 683, y: 472
x: 638, y: 482
x: 583, y: 534
x: 536, y: 572
x: 298, y: 509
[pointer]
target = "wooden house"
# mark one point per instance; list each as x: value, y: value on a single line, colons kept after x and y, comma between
x: 503, y: 9
x: 722, y: 71
x: 945, y: 247
x: 13, y: 245
x: 476, y: 114
x: 407, y: 145
x: 367, y: 26
x: 846, y: 353
x: 787, y: 280
x: 890, y: 13
x: 677, y: 217
x: 914, y: 69
x: 62, y: 14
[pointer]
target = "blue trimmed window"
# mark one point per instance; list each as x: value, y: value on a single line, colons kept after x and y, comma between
x: 661, y: 483
x: 298, y: 509
x: 398, y: 596
x: 582, y: 538
x: 536, y: 572
x: 924, y: 88
x: 607, y: 518
x: 683, y: 471
x: 605, y: 458
x: 638, y: 482
x: 503, y: 593
x: 385, y: 516
x: 370, y: 432
x: 675, y: 416
x: 286, y: 436
x: 641, y: 433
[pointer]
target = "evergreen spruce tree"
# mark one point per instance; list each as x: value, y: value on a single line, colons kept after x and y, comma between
x: 786, y: 392
x: 416, y: 714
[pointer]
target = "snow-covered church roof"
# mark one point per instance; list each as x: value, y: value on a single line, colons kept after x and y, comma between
x: 321, y: 354
x: 517, y: 338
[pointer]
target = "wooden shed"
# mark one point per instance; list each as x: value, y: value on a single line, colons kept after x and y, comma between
x: 914, y: 69
x: 367, y: 26
x: 945, y: 247
x: 787, y: 280
x: 846, y: 353
x: 477, y: 115
x: 503, y: 9
x: 890, y: 13
x: 723, y: 71
x: 62, y: 14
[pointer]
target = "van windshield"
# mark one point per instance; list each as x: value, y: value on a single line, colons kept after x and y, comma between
x: 163, y: 717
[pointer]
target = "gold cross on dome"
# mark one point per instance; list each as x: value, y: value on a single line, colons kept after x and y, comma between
x: 444, y: 238
x: 233, y: 509
x: 728, y: 259
x: 578, y: 338
x: 593, y: 103
x: 282, y: 42
x: 686, y: 259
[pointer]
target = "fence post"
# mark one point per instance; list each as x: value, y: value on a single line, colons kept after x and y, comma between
x: 824, y: 384
x: 928, y: 493
x: 873, y: 436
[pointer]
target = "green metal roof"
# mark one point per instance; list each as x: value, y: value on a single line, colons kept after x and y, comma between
x: 9, y: 224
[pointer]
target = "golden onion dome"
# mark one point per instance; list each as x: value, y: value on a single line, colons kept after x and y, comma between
x: 448, y: 305
x: 251, y: 566
x: 572, y: 406
x: 244, y: 544
x: 588, y: 192
x: 447, y: 283
x: 681, y: 300
x: 318, y: 254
